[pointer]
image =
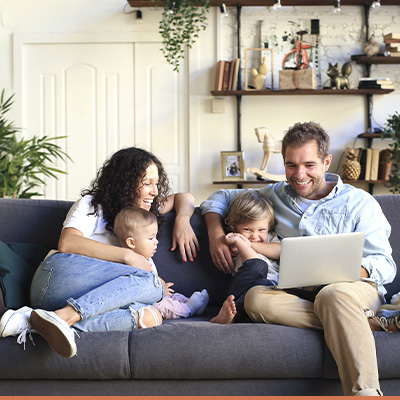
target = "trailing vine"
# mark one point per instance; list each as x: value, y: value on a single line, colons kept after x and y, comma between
x: 181, y: 22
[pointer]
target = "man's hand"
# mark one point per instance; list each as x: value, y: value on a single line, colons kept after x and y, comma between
x: 221, y: 254
x: 364, y: 273
x: 219, y: 250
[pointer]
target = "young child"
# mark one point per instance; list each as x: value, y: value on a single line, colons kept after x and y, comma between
x: 137, y: 229
x: 251, y: 219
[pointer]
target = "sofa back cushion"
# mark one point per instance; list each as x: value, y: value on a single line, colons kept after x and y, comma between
x: 391, y: 205
x: 189, y: 277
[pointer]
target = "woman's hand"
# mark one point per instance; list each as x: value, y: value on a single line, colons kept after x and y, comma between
x: 136, y: 260
x: 184, y: 237
x: 73, y: 241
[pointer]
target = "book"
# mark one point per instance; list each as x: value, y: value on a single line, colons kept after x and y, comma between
x: 374, y: 165
x: 362, y: 160
x: 394, y: 54
x: 385, y: 165
x: 376, y: 80
x: 219, y: 75
x: 393, y: 46
x: 392, y: 35
x: 236, y: 74
x: 368, y: 161
x: 225, y: 79
x: 231, y: 71
x: 372, y: 85
x: 388, y: 41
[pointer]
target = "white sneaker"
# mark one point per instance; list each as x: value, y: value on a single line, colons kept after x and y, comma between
x: 15, y: 322
x: 59, y: 335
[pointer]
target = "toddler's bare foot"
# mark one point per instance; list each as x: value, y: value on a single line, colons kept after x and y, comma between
x: 227, y: 312
x: 374, y: 324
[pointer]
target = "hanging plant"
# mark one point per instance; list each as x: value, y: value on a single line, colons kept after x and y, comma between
x: 181, y: 22
x: 392, y: 131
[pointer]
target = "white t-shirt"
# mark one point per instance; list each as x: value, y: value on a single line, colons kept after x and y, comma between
x: 92, y: 226
x: 273, y: 265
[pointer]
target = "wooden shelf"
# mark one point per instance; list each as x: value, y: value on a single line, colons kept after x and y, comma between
x: 268, y: 3
x: 300, y: 92
x: 368, y: 135
x: 363, y: 59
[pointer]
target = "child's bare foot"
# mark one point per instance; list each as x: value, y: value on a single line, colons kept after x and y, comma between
x: 227, y: 312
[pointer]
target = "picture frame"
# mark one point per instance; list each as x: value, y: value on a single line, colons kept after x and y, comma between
x: 253, y: 59
x: 232, y: 166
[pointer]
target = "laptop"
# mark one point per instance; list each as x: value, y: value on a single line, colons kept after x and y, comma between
x: 320, y: 260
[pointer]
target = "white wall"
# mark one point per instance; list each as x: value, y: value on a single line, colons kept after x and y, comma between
x: 341, y: 35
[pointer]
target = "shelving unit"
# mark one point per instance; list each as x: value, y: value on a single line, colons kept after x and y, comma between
x: 300, y: 92
x: 359, y: 59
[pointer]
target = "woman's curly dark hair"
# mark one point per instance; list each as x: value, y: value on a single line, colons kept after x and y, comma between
x: 117, y: 183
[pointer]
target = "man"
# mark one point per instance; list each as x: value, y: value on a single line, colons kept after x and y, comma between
x: 314, y: 202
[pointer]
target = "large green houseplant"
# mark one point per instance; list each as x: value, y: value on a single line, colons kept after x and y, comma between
x: 392, y: 131
x: 180, y: 24
x: 24, y: 162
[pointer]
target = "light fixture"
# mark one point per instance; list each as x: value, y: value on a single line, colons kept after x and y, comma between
x: 139, y: 14
x: 376, y: 3
x: 277, y: 4
x: 336, y: 7
x: 171, y: 8
x: 222, y: 8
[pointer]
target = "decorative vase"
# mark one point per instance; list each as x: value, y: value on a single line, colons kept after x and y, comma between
x: 351, y: 167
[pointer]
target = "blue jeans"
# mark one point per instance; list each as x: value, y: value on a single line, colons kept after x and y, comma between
x: 253, y: 272
x: 105, y: 294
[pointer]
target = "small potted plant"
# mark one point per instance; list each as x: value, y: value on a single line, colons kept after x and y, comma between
x: 392, y: 131
x: 24, y: 162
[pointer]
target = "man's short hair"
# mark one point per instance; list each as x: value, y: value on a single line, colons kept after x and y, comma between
x: 301, y: 133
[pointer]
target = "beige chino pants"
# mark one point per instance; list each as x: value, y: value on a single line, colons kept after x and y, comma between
x: 338, y: 310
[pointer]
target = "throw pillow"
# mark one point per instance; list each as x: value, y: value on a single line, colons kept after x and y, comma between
x: 18, y: 263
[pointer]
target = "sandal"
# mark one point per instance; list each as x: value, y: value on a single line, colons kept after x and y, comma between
x: 155, y: 314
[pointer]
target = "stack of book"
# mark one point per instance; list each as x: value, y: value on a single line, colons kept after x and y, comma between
x: 375, y: 163
x: 226, y: 76
x: 375, y: 83
x: 392, y: 41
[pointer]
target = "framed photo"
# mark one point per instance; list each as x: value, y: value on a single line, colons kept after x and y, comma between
x: 232, y: 165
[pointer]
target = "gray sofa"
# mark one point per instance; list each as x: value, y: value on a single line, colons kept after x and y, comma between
x: 181, y: 357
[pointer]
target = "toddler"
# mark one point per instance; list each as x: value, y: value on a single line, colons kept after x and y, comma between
x: 257, y: 247
x: 137, y: 229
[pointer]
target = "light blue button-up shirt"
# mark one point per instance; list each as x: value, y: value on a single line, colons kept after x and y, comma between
x: 345, y: 209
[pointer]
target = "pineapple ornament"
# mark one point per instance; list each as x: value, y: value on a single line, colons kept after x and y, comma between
x: 351, y: 167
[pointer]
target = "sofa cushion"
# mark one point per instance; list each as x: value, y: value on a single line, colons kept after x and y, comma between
x: 18, y: 263
x: 190, y: 276
x: 186, y: 349
x: 100, y: 355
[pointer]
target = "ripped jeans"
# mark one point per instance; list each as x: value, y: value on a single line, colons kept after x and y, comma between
x: 105, y: 294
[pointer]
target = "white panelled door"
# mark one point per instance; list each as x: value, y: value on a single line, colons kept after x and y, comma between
x: 102, y: 96
x: 160, y: 109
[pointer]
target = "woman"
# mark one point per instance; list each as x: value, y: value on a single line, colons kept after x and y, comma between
x: 106, y: 287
